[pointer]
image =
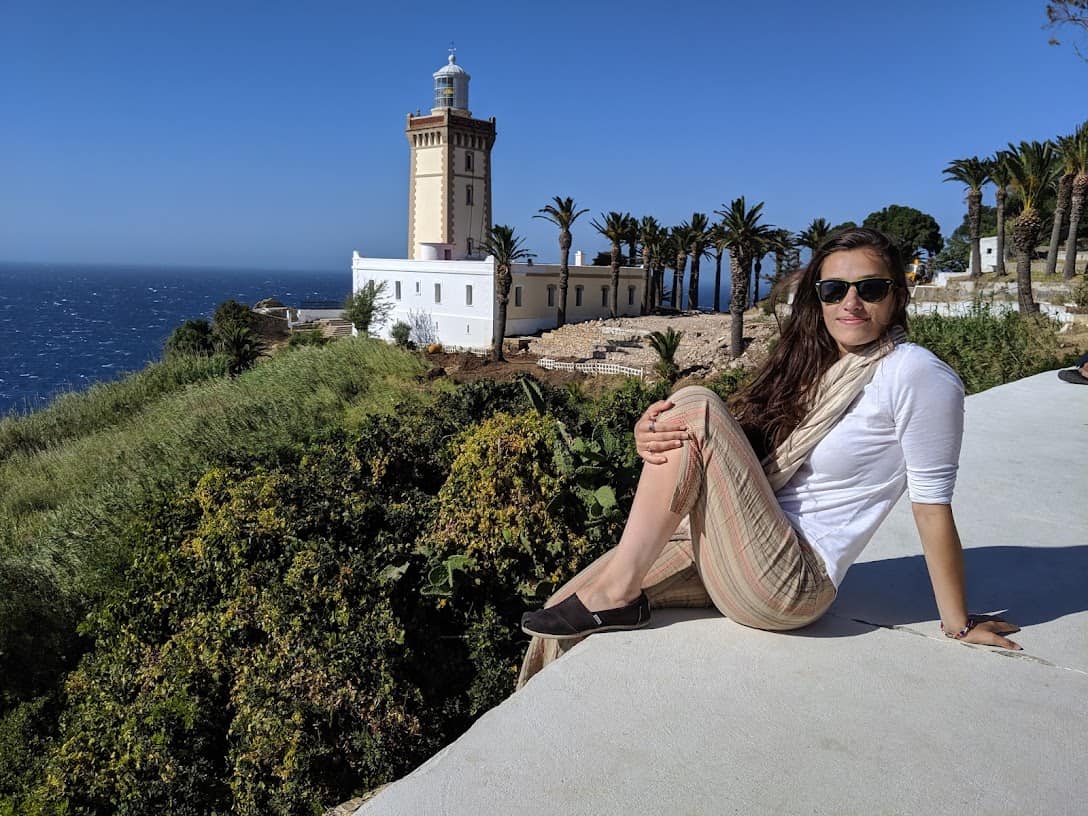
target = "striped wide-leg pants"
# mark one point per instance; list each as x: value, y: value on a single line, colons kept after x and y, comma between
x: 743, y: 557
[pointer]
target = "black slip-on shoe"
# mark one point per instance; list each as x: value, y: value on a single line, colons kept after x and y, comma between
x: 1071, y: 375
x: 570, y: 619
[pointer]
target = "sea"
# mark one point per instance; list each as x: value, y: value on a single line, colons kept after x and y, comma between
x: 66, y: 327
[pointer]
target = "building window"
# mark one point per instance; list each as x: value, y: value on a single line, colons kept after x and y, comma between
x: 517, y: 295
x: 438, y: 293
x: 604, y: 295
x: 578, y: 295
x: 396, y: 290
x: 468, y: 295
x: 468, y: 329
x: 468, y: 195
x: 630, y: 296
x: 468, y: 161
x: 551, y: 295
x: 469, y: 246
x: 417, y: 287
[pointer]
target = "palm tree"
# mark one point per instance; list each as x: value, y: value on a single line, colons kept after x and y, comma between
x: 716, y: 236
x: 999, y: 175
x: 1031, y: 165
x: 666, y: 344
x: 784, y: 248
x: 815, y: 235
x: 668, y: 261
x: 563, y: 214
x: 1063, y: 189
x: 613, y: 226
x: 974, y: 173
x: 648, y: 233
x: 760, y: 247
x: 698, y: 240
x: 662, y: 254
x: 242, y: 346
x: 506, y: 248
x: 632, y: 237
x: 681, y: 241
x: 1076, y: 199
x: 742, y: 231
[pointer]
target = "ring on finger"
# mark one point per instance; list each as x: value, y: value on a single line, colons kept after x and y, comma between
x: 653, y: 425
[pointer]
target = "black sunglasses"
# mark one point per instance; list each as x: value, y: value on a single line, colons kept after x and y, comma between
x: 871, y: 290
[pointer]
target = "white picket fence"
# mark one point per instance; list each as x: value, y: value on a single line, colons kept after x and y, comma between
x: 591, y: 367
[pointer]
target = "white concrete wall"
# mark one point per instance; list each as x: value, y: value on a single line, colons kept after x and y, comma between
x: 988, y: 248
x: 309, y: 315
x: 459, y: 324
x: 534, y: 314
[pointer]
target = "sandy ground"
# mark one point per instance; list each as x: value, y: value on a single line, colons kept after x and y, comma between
x: 704, y: 347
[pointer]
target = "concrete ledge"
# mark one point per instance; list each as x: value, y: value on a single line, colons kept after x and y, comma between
x: 868, y: 711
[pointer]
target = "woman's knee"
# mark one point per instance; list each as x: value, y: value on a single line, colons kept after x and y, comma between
x: 695, y: 394
x: 701, y: 407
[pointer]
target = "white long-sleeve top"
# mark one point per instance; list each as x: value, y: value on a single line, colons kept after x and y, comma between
x: 902, y: 432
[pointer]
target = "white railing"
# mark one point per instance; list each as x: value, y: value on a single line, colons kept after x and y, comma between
x: 591, y: 367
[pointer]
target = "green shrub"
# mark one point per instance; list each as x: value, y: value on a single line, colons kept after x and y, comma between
x: 402, y: 333
x: 503, y: 506
x: 313, y: 337
x: 229, y: 316
x: 616, y: 411
x: 193, y: 338
x: 27, y: 733
x: 729, y: 381
x: 509, y: 527
x: 988, y: 348
x: 262, y: 658
x: 1080, y: 293
x: 368, y: 307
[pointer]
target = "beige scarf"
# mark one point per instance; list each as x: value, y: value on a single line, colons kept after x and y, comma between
x: 838, y: 388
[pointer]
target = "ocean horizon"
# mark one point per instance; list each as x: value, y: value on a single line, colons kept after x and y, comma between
x: 64, y: 327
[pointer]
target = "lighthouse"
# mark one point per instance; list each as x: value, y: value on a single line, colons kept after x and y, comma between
x: 449, y: 176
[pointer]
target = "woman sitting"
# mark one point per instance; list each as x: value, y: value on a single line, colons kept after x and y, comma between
x: 842, y: 418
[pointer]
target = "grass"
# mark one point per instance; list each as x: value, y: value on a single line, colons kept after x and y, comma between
x: 104, y: 404
x: 61, y: 499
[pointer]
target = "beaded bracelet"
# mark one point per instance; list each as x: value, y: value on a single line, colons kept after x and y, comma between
x: 962, y: 633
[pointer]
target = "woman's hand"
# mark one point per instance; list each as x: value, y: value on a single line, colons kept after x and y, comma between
x: 654, y: 436
x: 944, y: 559
x: 989, y: 630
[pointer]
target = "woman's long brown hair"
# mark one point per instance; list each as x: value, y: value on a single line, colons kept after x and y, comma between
x: 780, y: 395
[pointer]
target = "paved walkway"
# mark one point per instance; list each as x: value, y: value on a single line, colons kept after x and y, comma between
x: 870, y: 711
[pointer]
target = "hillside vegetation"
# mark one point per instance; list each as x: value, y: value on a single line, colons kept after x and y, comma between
x: 265, y: 593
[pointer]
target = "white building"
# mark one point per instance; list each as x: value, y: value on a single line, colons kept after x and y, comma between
x: 447, y: 282
x: 457, y: 297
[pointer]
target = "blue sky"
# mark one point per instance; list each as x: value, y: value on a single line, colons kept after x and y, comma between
x: 271, y: 134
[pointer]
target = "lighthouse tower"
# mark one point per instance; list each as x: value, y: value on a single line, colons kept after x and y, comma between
x: 449, y: 177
